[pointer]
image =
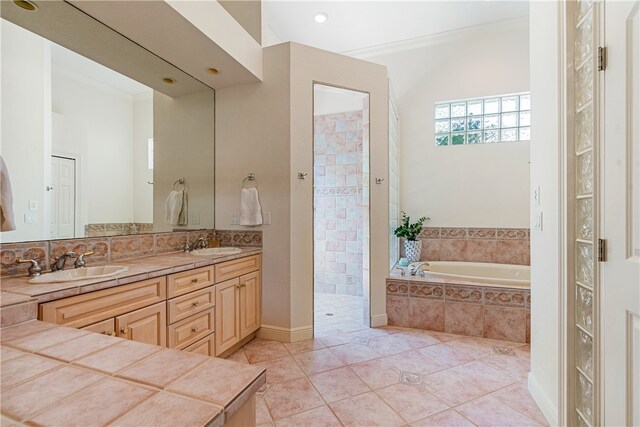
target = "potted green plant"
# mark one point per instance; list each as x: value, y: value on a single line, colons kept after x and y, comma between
x: 410, y: 232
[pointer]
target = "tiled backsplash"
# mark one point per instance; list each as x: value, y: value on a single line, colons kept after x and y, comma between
x: 116, y: 229
x: 115, y: 248
x: 496, y: 245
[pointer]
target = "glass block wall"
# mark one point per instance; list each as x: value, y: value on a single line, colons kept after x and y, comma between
x: 394, y: 185
x: 584, y: 81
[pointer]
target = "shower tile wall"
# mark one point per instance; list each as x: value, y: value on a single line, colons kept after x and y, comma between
x: 338, y: 204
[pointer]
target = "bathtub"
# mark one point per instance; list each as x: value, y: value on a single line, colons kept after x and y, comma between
x: 465, y: 298
x: 478, y: 272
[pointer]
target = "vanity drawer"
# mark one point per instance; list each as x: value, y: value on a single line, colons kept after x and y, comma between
x: 106, y: 327
x: 237, y: 267
x: 206, y: 346
x: 189, y: 281
x: 182, y: 307
x: 84, y: 310
x: 188, y: 331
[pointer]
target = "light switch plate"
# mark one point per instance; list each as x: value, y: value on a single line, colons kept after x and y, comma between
x: 31, y: 218
x: 537, y: 221
x: 235, y: 218
x: 536, y: 196
x: 33, y: 205
x: 194, y: 218
x: 266, y: 218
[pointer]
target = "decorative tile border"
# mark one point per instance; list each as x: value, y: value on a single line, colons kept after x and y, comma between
x: 114, y: 248
x: 397, y: 288
x: 471, y: 294
x: 505, y: 296
x: 117, y: 229
x: 429, y: 290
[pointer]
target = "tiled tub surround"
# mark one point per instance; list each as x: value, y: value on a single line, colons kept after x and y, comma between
x: 338, y: 203
x: 477, y: 310
x: 115, y: 248
x: 496, y: 245
x: 53, y: 375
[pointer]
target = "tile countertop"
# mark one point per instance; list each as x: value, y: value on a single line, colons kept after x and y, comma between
x: 54, y: 375
x: 18, y: 287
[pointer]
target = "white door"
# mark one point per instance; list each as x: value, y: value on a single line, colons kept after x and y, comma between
x: 63, y: 196
x: 620, y: 217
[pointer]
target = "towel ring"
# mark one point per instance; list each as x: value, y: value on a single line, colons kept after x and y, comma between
x: 180, y: 182
x: 250, y: 177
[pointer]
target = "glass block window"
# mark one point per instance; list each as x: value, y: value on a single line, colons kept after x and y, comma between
x: 503, y: 118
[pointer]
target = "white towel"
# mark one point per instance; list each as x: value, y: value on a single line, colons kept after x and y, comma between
x: 176, y: 208
x: 7, y: 222
x: 250, y: 210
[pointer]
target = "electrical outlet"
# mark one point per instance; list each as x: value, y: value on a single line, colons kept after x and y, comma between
x: 194, y: 218
x: 235, y: 218
x: 31, y: 218
x: 266, y: 218
x: 537, y: 221
x: 33, y: 205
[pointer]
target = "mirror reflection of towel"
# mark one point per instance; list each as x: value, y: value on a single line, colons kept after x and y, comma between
x: 176, y: 208
x: 250, y: 210
x: 7, y: 222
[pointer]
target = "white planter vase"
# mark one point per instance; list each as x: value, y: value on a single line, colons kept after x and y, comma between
x: 412, y: 249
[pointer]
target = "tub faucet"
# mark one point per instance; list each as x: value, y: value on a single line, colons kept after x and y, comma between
x: 415, y: 268
x: 59, y: 263
x: 402, y: 272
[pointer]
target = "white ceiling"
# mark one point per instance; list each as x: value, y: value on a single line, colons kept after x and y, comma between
x: 360, y: 24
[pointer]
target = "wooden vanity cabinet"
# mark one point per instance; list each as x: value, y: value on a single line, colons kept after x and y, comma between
x: 238, y: 313
x: 106, y: 327
x: 146, y: 325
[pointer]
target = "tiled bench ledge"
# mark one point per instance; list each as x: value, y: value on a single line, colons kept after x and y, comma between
x: 474, y: 310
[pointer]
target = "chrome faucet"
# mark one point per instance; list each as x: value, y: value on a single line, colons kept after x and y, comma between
x: 415, y: 268
x: 200, y: 243
x: 402, y: 272
x: 80, y: 262
x: 60, y: 262
x: 34, y: 269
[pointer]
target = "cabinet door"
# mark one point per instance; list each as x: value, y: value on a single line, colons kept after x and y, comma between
x: 205, y: 346
x: 249, y: 303
x: 106, y: 327
x: 227, y: 320
x: 147, y: 325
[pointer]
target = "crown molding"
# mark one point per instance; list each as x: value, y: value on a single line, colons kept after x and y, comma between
x: 504, y: 26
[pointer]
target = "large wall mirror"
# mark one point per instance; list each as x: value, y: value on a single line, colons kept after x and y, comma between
x: 97, y: 132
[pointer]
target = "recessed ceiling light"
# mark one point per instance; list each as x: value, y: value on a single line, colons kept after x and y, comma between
x: 213, y: 70
x: 320, y: 18
x: 26, y: 5
x: 169, y: 80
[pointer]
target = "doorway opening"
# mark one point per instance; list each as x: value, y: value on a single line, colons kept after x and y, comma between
x: 62, y: 192
x: 341, y: 209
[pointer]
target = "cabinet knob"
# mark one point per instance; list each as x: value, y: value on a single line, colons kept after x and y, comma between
x: 124, y: 330
x: 194, y: 329
x: 194, y: 280
x: 195, y: 304
x: 244, y: 285
x: 112, y: 333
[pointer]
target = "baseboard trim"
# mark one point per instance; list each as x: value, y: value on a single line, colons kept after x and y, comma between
x: 277, y: 333
x: 547, y: 408
x: 379, y: 320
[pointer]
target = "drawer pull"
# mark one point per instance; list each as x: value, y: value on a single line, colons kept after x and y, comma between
x: 194, y: 280
x: 194, y: 329
x: 125, y: 331
x: 244, y: 285
x: 196, y: 303
x: 111, y: 334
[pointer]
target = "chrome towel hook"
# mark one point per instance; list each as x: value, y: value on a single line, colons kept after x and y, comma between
x: 302, y: 175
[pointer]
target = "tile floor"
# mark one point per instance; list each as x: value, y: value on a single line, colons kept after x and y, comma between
x: 334, y: 312
x: 357, y: 376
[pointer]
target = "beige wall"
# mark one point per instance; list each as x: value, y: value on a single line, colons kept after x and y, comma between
x: 248, y: 13
x: 183, y: 129
x: 266, y: 128
x: 484, y: 185
x: 547, y: 272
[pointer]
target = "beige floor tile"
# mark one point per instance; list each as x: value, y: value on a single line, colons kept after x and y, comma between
x: 292, y: 397
x: 262, y: 412
x: 413, y: 361
x: 97, y: 404
x: 169, y: 410
x: 411, y: 402
x: 350, y: 354
x: 518, y: 397
x: 338, y: 384
x: 29, y: 398
x: 448, y: 418
x: 479, y: 347
x: 303, y: 346
x: 260, y: 350
x: 281, y: 369
x: 391, y: 344
x: 377, y: 373
x: 466, y: 382
x: 514, y: 366
x: 336, y: 339
x: 314, y: 362
x: 445, y: 356
x: 23, y: 368
x: 318, y: 417
x: 115, y: 358
x: 490, y: 411
x: 365, y: 410
x: 238, y: 356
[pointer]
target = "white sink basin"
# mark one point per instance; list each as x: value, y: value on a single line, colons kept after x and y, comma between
x: 83, y: 273
x: 217, y: 251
